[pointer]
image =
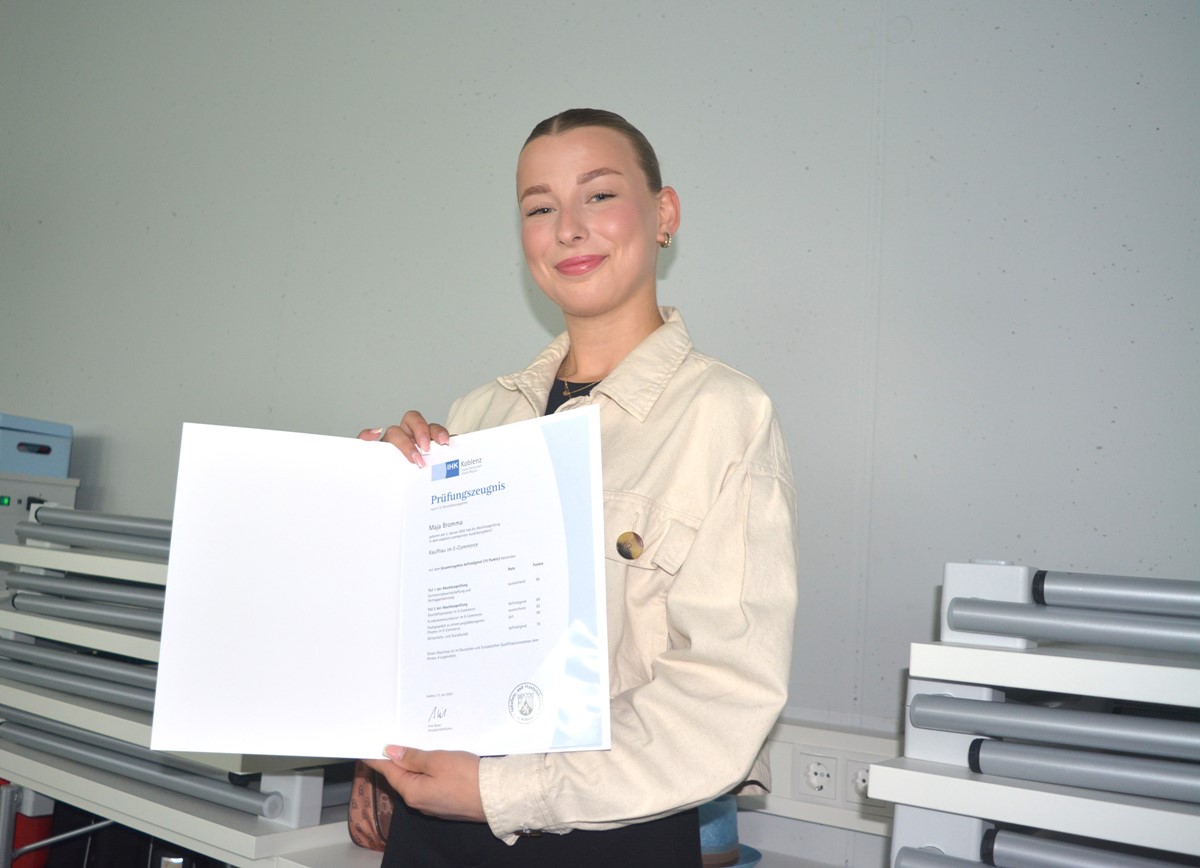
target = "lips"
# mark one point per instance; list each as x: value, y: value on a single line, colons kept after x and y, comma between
x: 578, y: 265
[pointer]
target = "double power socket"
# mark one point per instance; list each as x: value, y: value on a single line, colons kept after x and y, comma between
x: 843, y: 778
x: 822, y: 774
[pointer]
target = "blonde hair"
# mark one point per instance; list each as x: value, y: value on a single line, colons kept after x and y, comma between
x: 572, y: 119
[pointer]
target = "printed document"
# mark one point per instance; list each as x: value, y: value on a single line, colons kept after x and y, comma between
x: 326, y: 598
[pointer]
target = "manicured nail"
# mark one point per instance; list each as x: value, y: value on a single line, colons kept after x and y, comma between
x: 393, y: 752
x: 417, y: 459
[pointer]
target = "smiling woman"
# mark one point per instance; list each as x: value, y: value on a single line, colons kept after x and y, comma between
x: 701, y: 600
x: 591, y: 227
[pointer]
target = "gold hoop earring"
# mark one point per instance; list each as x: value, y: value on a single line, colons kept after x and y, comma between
x: 665, y: 244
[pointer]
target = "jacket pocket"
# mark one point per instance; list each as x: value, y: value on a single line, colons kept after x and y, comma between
x: 640, y: 534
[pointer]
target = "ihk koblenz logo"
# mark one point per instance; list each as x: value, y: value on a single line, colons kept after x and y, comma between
x: 445, y: 471
x: 525, y: 702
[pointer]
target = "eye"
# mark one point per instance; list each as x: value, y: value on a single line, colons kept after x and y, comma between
x: 541, y: 209
x: 601, y: 197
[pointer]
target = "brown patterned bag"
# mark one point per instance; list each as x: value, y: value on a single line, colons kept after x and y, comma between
x: 372, y: 801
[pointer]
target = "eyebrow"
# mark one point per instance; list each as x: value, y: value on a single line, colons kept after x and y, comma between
x: 595, y: 173
x: 539, y: 189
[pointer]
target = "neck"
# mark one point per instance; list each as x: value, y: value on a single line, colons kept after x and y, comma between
x: 598, y: 347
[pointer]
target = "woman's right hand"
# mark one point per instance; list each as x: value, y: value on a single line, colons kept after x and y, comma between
x: 412, y: 436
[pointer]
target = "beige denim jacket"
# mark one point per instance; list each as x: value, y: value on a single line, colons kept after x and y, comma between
x: 700, y: 623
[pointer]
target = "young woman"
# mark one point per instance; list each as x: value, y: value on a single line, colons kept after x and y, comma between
x: 699, y: 532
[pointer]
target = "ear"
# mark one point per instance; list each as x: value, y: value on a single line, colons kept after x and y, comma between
x: 668, y: 210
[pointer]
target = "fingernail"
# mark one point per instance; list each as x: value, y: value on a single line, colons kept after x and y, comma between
x: 417, y: 459
x: 378, y: 432
x: 393, y: 752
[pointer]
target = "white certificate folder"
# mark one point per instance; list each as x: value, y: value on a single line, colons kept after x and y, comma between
x: 326, y: 598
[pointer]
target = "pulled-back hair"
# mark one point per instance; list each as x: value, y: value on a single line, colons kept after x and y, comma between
x: 586, y: 117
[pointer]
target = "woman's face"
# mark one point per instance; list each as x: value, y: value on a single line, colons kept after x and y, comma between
x: 590, y: 225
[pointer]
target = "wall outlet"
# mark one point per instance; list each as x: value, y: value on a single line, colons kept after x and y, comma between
x: 814, y: 776
x: 860, y: 777
x: 857, y: 780
x: 819, y: 775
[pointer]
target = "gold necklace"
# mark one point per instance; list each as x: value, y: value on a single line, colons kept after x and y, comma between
x: 579, y: 388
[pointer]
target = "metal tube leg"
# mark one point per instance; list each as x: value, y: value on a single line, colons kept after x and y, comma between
x: 63, y: 837
x: 10, y: 794
x: 1160, y: 779
x: 1174, y: 739
x: 1016, y: 850
x: 1117, y: 593
x: 1063, y: 624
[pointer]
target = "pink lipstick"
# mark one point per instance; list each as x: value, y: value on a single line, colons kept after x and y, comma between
x: 579, y: 265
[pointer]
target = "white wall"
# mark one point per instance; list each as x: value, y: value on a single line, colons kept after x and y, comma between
x: 958, y: 242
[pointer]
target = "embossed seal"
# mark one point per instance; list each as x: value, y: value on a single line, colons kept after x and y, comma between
x: 525, y: 702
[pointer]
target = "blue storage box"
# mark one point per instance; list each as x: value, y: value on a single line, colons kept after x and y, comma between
x: 32, y: 447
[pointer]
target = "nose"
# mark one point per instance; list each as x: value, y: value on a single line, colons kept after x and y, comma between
x: 571, y: 229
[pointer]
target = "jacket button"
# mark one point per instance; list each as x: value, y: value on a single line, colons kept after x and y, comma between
x: 630, y: 546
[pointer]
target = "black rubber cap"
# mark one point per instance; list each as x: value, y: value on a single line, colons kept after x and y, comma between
x: 987, y: 848
x: 973, y: 755
x: 1039, y: 587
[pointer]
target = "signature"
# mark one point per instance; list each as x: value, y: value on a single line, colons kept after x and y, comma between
x: 438, y: 713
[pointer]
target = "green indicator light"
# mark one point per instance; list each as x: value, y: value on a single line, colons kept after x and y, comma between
x: 5, y: 500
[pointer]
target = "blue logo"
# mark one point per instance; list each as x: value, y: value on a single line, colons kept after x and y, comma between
x: 445, y: 471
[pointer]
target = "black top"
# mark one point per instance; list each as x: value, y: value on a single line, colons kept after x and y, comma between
x: 418, y: 841
x: 563, y: 391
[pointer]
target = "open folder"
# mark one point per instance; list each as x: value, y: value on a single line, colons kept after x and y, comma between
x: 325, y: 597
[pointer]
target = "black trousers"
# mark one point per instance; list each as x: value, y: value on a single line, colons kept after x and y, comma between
x: 418, y: 841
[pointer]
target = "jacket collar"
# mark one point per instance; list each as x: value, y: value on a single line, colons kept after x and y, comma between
x: 634, y: 385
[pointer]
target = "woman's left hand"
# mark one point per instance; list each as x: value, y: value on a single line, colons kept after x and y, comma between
x: 440, y: 783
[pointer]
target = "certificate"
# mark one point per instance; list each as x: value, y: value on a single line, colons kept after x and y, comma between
x: 325, y: 597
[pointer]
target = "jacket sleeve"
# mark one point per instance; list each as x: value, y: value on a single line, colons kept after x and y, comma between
x: 694, y: 729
